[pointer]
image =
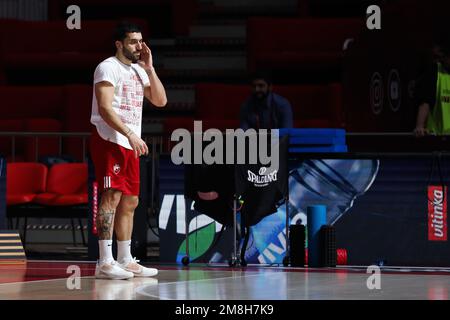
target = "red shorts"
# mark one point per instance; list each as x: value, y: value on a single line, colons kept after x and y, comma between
x: 116, y: 167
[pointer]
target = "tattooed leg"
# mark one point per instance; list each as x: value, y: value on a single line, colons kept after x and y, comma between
x: 105, y: 219
x: 105, y: 223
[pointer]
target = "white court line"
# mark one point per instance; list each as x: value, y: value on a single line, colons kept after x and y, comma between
x: 439, y: 269
x: 53, y: 268
x: 61, y: 261
x: 47, y: 280
x: 139, y: 290
x: 84, y: 277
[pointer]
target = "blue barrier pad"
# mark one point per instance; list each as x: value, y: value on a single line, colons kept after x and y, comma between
x: 320, y: 149
x: 319, y: 140
x: 295, y: 132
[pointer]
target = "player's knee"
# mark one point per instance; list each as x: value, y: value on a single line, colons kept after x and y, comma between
x: 111, y: 198
x: 132, y: 202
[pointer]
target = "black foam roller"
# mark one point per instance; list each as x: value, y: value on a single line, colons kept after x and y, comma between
x: 297, y: 245
x: 328, y: 246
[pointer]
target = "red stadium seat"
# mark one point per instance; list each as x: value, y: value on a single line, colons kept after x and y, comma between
x: 220, y: 101
x: 39, y: 113
x: 24, y: 102
x: 2, y: 78
x: 171, y: 124
x: 6, y: 148
x: 51, y: 109
x: 218, y: 106
x: 50, y: 44
x: 24, y: 181
x: 315, y: 106
x: 76, y: 118
x: 35, y: 147
x: 66, y: 185
x: 298, y: 44
x: 61, y: 192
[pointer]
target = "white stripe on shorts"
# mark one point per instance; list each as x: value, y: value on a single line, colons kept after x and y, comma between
x: 106, y: 182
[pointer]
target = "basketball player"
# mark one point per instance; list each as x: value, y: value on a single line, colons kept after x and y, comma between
x: 120, y: 84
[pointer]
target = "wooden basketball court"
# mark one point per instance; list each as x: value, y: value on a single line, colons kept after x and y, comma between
x: 50, y: 280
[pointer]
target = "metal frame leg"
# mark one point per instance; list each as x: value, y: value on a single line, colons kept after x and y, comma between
x: 233, y: 260
x: 25, y: 224
x: 82, y: 232
x: 186, y: 260
x: 73, y: 232
x: 286, y: 259
x: 244, y: 244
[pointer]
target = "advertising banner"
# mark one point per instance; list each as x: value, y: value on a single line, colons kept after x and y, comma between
x: 389, y: 209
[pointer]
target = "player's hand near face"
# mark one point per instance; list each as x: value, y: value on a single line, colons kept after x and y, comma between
x: 146, y: 60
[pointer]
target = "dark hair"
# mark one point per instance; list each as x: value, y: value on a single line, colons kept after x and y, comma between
x: 124, y: 27
x: 441, y: 37
x: 265, y: 75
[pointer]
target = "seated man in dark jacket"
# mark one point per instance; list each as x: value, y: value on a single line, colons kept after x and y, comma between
x: 265, y: 109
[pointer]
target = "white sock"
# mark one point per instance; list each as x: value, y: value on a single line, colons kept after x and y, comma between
x: 124, y: 251
x: 105, y: 251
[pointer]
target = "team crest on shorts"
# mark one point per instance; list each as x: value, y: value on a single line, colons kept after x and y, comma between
x: 116, y: 168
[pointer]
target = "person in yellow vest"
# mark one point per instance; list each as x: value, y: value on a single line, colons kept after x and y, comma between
x: 433, y: 93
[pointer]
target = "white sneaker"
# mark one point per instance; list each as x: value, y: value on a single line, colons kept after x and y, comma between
x: 111, y: 271
x: 137, y: 269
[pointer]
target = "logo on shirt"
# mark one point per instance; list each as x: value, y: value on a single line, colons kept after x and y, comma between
x: 445, y: 99
x: 263, y: 178
x: 116, y: 168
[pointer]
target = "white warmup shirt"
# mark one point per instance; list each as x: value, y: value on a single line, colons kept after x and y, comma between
x: 129, y: 83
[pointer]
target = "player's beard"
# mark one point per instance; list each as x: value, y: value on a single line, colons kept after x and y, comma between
x: 260, y: 96
x: 129, y: 55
